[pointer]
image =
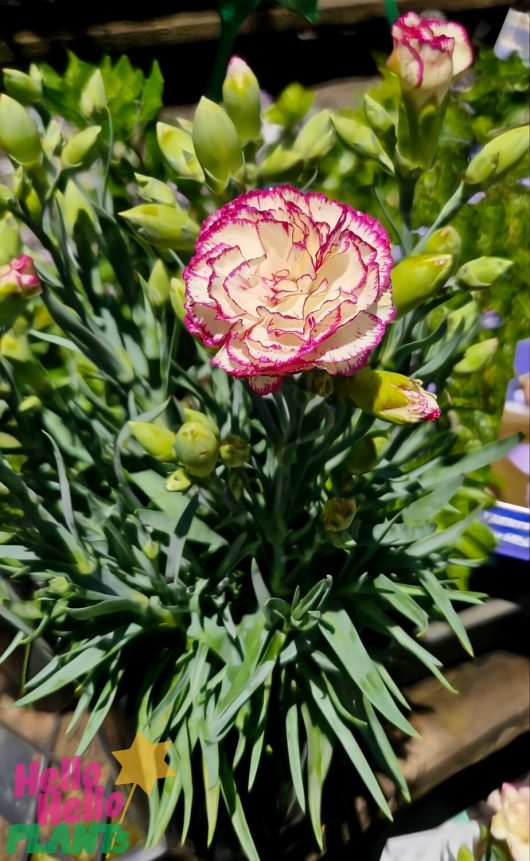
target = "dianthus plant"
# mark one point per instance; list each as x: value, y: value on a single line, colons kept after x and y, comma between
x: 231, y: 491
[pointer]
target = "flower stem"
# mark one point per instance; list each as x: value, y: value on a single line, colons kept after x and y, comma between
x: 446, y: 213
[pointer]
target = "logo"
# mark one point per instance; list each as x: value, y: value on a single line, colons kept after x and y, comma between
x: 71, y: 801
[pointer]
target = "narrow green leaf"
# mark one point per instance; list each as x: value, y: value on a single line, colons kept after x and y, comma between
x: 340, y: 632
x: 389, y: 759
x: 235, y: 810
x: 319, y: 753
x: 441, y: 599
x: 294, y: 753
x: 350, y: 745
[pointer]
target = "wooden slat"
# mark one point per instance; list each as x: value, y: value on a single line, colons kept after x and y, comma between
x: 204, y: 25
x: 491, y: 709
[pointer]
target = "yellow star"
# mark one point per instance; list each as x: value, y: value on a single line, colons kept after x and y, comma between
x: 143, y: 763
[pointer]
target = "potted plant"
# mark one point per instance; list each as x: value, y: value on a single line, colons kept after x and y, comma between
x: 233, y: 477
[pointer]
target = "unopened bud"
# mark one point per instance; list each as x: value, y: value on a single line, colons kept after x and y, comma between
x: 241, y: 98
x: 22, y: 87
x: 316, y: 137
x: 279, y: 162
x: 196, y: 416
x: 234, y: 451
x: 151, y: 549
x: 154, y: 190
x: 157, y: 440
x: 158, y: 285
x: 19, y: 278
x: 15, y: 348
x: 9, y: 239
x: 19, y: 136
x: 476, y: 356
x: 364, y: 455
x: 445, y: 240
x: 416, y: 279
x: 30, y: 404
x: 392, y: 397
x: 291, y: 106
x: 216, y: 143
x: 378, y: 117
x: 176, y: 146
x: 360, y: 138
x: 338, y: 514
x: 197, y: 448
x: 73, y: 203
x: 163, y: 226
x: 177, y: 292
x: 80, y: 149
x: 8, y: 442
x: 93, y: 97
x: 482, y: 271
x: 178, y: 482
x: 498, y: 156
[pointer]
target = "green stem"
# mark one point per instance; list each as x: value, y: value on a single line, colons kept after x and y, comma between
x: 446, y: 213
x: 407, y: 186
x: 229, y: 31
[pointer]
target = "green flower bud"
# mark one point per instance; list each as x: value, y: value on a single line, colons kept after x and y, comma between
x: 482, y: 271
x: 445, y: 240
x: 30, y: 404
x: 8, y: 442
x: 363, y: 456
x: 338, y: 514
x: 176, y: 145
x: 151, y: 549
x: 16, y: 348
x: 291, y: 106
x: 177, y: 291
x: 60, y: 586
x: 93, y: 97
x: 392, y: 397
x: 241, y: 99
x: 154, y: 190
x: 216, y: 143
x: 178, y: 482
x: 498, y: 156
x: 279, y: 162
x: 316, y: 137
x: 415, y: 279
x: 52, y: 138
x: 360, y: 138
x: 19, y: 136
x: 377, y: 116
x: 163, y: 226
x: 197, y: 448
x: 72, y: 203
x: 196, y: 416
x: 80, y: 150
x: 476, y: 356
x: 158, y: 285
x: 157, y: 440
x: 24, y: 88
x: 234, y: 451
x: 10, y: 244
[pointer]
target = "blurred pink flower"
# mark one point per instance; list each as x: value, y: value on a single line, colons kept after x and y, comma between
x: 284, y: 281
x: 19, y: 277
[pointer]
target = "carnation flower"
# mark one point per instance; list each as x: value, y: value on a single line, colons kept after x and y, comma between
x: 19, y: 277
x: 284, y: 281
x: 428, y: 53
x: 511, y: 821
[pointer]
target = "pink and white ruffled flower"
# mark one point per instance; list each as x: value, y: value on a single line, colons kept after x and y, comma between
x: 285, y: 281
x: 511, y: 821
x: 428, y: 53
x: 19, y: 277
